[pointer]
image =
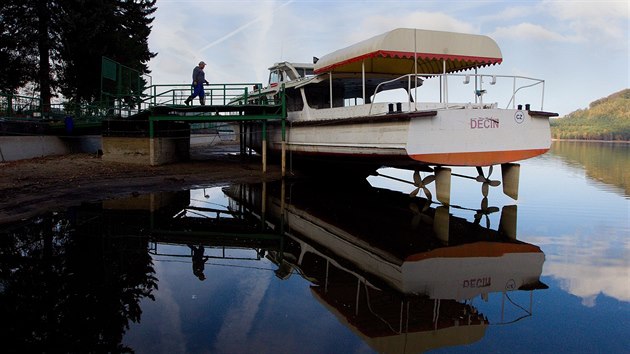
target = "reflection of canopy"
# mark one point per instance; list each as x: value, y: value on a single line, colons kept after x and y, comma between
x: 393, y: 52
x: 387, y: 329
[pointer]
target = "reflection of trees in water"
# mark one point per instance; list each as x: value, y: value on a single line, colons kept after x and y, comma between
x: 605, y: 162
x: 65, y: 285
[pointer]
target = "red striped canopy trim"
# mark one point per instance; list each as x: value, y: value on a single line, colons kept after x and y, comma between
x: 477, y: 61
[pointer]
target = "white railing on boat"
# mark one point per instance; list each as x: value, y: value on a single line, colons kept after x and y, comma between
x: 478, y: 92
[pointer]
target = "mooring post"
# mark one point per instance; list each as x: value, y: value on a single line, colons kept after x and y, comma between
x: 152, y: 158
x: 284, y: 156
x: 264, y: 145
x: 151, y: 132
x: 251, y: 135
x: 263, y: 213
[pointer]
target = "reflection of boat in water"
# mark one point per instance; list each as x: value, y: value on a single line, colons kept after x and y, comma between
x: 336, y: 112
x: 399, y: 272
x: 401, y: 275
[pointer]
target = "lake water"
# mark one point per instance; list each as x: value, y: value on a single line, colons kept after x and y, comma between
x: 309, y: 266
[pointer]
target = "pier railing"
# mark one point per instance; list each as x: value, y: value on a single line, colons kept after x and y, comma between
x: 31, y: 108
x: 176, y: 94
x: 20, y: 106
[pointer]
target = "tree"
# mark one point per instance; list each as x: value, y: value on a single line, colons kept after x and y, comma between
x: 59, y: 43
x: 17, y: 55
x: 42, y: 9
x: 116, y: 29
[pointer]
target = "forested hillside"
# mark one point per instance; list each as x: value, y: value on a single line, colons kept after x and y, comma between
x: 605, y: 119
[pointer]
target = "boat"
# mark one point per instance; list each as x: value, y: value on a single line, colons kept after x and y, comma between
x: 403, y: 274
x: 399, y: 272
x: 389, y: 101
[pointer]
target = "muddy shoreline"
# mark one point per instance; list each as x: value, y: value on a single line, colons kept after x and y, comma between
x: 30, y: 187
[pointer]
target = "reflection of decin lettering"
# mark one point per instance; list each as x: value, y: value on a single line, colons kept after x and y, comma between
x: 484, y: 123
x: 478, y: 283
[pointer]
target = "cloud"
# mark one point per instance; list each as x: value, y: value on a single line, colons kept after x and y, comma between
x: 424, y: 20
x: 240, y: 39
x: 510, y: 13
x: 590, y: 270
x: 240, y: 317
x: 599, y: 21
x: 263, y: 22
x: 529, y: 31
x: 587, y: 10
x: 564, y: 22
x: 587, y: 280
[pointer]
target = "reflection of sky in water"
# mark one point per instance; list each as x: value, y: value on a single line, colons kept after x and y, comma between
x: 582, y: 225
x: 212, y: 198
x: 240, y: 308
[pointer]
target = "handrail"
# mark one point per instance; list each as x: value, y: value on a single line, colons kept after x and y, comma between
x: 388, y: 82
x: 215, y: 92
x: 526, y: 86
x: 152, y: 95
x: 477, y: 92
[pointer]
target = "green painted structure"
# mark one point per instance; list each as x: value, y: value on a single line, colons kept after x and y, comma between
x: 160, y: 133
x: 144, y: 123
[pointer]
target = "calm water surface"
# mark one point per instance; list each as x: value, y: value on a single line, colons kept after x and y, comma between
x: 310, y: 266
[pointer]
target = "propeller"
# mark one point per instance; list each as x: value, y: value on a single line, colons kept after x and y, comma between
x: 485, y: 211
x: 421, y: 183
x: 419, y: 214
x: 487, y: 182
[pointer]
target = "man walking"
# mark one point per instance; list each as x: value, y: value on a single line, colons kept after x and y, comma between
x: 199, y: 78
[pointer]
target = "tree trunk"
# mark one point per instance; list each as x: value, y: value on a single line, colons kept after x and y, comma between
x: 43, y: 46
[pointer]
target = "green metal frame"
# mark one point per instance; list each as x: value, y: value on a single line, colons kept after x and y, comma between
x: 128, y: 82
x: 276, y: 112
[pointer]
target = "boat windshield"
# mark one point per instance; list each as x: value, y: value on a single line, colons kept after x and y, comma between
x: 274, y: 77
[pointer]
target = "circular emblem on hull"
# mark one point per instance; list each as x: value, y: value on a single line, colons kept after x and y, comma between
x: 519, y: 117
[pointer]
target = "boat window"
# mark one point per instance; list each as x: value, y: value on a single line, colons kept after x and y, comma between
x: 294, y: 100
x: 348, y: 91
x: 318, y: 96
x: 344, y: 94
x: 274, y: 77
x: 305, y: 71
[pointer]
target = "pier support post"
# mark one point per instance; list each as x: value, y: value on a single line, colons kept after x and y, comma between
x: 284, y: 133
x: 284, y: 158
x: 264, y: 146
x: 263, y: 213
x: 148, y: 142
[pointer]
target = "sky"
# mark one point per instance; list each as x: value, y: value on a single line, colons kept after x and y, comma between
x: 580, y: 48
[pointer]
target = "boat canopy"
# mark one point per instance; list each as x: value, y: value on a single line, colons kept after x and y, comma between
x: 393, y: 52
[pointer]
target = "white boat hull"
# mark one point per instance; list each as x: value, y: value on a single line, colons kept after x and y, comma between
x: 451, y: 137
x: 473, y: 137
